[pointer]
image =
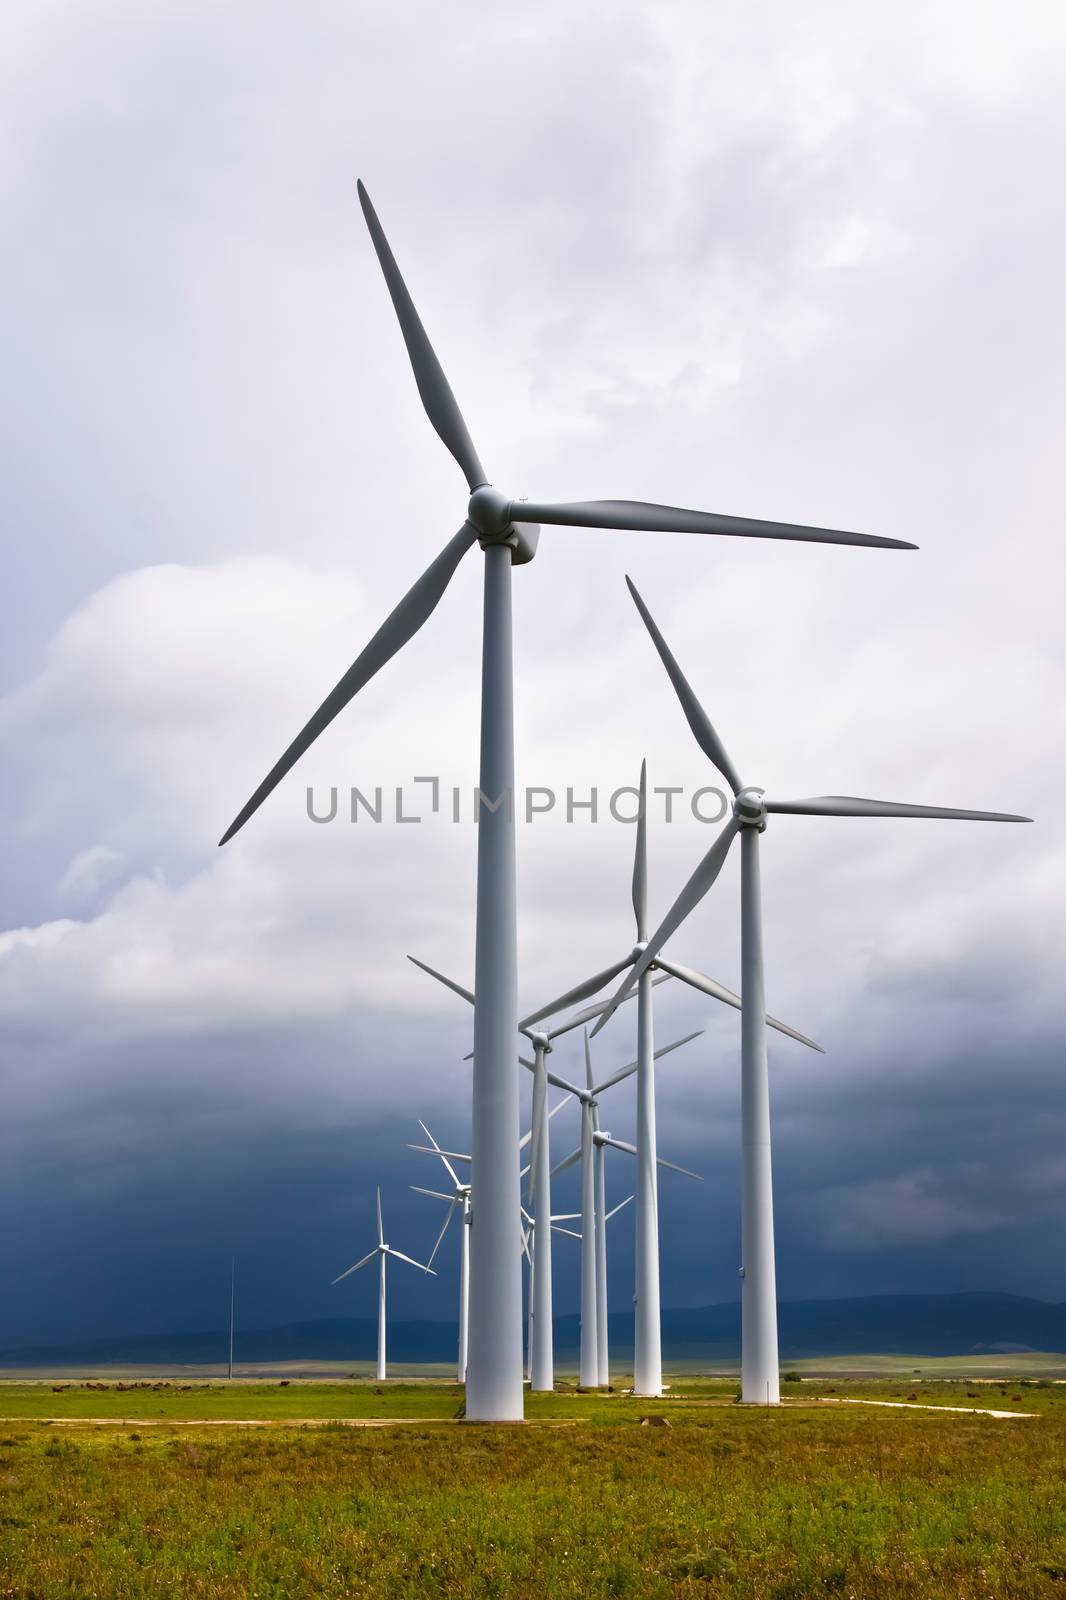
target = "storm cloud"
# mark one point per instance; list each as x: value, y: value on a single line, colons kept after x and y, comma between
x: 799, y: 264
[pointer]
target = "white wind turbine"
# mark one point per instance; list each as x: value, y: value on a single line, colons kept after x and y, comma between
x: 542, y: 1357
x: 459, y: 1199
x: 507, y: 531
x: 751, y: 808
x: 603, y: 1217
x: 647, y: 1317
x: 529, y: 1246
x: 382, y: 1251
x: 592, y: 1139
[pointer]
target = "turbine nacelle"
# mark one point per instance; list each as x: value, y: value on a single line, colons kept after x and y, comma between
x: 489, y: 513
x: 749, y: 809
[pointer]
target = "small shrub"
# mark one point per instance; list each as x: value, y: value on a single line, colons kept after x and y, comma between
x: 712, y: 1563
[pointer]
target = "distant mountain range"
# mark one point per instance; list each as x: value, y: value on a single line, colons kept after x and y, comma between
x: 931, y: 1325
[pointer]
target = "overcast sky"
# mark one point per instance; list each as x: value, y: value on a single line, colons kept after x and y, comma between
x: 803, y: 263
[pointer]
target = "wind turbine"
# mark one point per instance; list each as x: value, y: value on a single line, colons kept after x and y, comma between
x: 647, y: 1318
x: 542, y: 1359
x: 603, y: 1217
x: 507, y: 531
x: 529, y: 1237
x: 459, y: 1199
x: 590, y: 1367
x: 751, y: 809
x: 382, y: 1251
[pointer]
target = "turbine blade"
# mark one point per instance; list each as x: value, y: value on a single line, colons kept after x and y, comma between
x: 588, y: 1062
x: 565, y: 1101
x: 631, y: 1150
x: 628, y: 1071
x: 572, y: 1092
x: 846, y: 805
x: 456, y: 988
x: 443, y: 1231
x: 453, y: 1175
x: 702, y: 728
x: 645, y: 516
x: 433, y: 386
x: 700, y: 980
x: 570, y: 1233
x: 431, y: 1150
x: 564, y: 1165
x: 402, y: 623
x: 434, y: 1194
x: 683, y: 1170
x: 667, y: 1048
x: 617, y: 1077
x: 640, y: 859
x: 616, y: 1209
x: 686, y: 902
x: 597, y: 1010
x: 573, y: 996
x: 411, y: 1262
x: 358, y: 1264
x: 381, y: 1235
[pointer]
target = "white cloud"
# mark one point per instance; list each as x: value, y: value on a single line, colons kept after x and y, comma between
x: 88, y: 870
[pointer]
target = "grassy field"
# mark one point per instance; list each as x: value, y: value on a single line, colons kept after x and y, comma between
x: 813, y: 1499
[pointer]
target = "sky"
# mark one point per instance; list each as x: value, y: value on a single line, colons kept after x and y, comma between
x: 797, y: 263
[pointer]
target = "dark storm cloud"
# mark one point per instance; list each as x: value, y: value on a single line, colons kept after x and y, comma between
x: 771, y: 266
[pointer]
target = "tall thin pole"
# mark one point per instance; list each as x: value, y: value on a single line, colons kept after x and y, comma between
x: 232, y: 1309
x: 759, y: 1375
x: 542, y: 1368
x: 381, y: 1316
x: 647, y: 1335
x: 530, y: 1333
x: 464, y: 1286
x: 602, y: 1363
x: 589, y: 1373
x: 494, y: 1372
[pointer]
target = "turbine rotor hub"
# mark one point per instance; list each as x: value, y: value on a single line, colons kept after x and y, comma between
x: 638, y: 949
x: 749, y: 809
x: 540, y: 1041
x: 490, y: 513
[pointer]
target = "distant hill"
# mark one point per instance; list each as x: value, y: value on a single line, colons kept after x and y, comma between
x: 932, y: 1325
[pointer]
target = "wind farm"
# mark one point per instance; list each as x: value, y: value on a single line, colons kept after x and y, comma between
x: 494, y: 1105
x: 508, y: 533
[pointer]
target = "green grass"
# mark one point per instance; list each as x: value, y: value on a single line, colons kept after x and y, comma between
x: 729, y: 1501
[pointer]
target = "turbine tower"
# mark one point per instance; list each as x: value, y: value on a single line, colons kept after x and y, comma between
x: 507, y: 531
x: 759, y: 1358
